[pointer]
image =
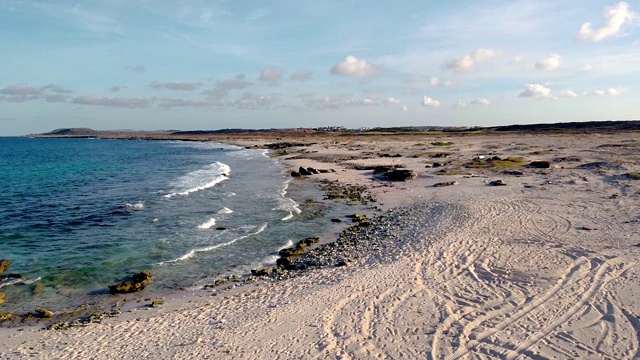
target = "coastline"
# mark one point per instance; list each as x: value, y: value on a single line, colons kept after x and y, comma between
x: 548, y: 253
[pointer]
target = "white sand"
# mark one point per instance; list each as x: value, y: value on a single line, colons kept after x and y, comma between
x: 546, y: 270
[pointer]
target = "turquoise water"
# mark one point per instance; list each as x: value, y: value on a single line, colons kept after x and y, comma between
x: 79, y: 214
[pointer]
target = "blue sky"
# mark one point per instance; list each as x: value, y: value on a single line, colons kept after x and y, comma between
x: 144, y: 64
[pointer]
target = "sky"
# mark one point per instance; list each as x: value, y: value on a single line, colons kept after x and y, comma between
x: 187, y: 65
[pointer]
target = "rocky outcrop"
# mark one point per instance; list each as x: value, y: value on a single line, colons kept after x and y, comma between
x: 401, y: 175
x: 304, y: 172
x: 138, y: 282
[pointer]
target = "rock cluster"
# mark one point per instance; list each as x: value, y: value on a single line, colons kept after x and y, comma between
x: 308, y: 171
x: 395, y: 174
x: 138, y: 282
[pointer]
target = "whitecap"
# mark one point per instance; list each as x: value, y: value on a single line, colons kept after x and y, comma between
x: 137, y: 206
x: 225, y: 210
x: 271, y: 259
x: 289, y: 205
x: 207, y: 224
x: 193, y: 252
x: 202, y: 179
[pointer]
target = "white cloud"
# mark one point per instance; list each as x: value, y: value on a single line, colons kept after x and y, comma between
x: 481, y: 101
x: 567, y: 94
x: 609, y: 92
x: 20, y: 90
x: 536, y: 91
x: 616, y: 16
x: 352, y: 66
x: 430, y: 102
x: 550, y: 63
x: 517, y: 59
x: 368, y: 101
x: 471, y: 60
x: 112, y: 102
x: 434, y: 81
x: 460, y: 104
x: 300, y: 76
x: 176, y: 86
x: 392, y: 101
x: 270, y: 75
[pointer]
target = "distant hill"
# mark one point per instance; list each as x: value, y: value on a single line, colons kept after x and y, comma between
x: 74, y: 132
x: 590, y: 126
x: 568, y: 127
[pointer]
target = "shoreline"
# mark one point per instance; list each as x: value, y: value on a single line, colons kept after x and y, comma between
x: 551, y: 252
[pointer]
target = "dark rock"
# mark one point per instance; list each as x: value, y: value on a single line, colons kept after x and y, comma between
x: 295, y: 174
x: 513, y: 172
x: 283, y: 261
x: 436, y: 164
x: 295, y: 267
x: 138, y: 282
x: 303, y: 171
x: 496, y: 158
x: 261, y: 272
x: 12, y: 279
x: 222, y: 228
x: 401, y: 175
x: 540, y: 164
x: 497, y: 183
x: 336, y: 220
x: 323, y: 171
x: 4, y: 265
x: 341, y: 263
x: 447, y: 183
x: 312, y: 170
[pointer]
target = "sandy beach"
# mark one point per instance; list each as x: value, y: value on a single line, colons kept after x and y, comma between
x: 542, y: 264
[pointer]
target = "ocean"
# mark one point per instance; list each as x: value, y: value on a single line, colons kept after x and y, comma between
x: 77, y: 215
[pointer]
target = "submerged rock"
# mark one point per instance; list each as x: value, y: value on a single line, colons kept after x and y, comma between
x: 4, y: 265
x: 138, y: 282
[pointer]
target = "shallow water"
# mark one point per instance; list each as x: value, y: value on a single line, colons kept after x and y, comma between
x: 79, y: 214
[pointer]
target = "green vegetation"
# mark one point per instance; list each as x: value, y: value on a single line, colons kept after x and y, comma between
x: 442, y: 143
x: 634, y: 176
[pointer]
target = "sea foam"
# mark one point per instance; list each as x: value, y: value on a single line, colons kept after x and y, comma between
x: 271, y: 259
x: 201, y: 179
x: 193, y: 252
x: 207, y: 224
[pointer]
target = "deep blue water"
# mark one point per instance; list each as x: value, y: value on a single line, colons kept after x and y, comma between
x: 80, y: 214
